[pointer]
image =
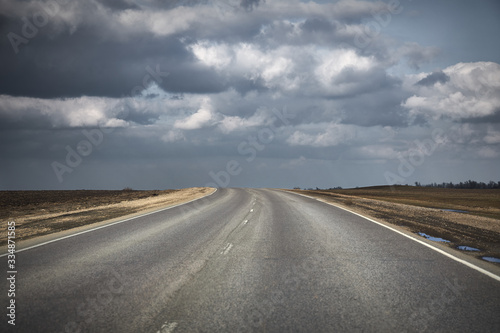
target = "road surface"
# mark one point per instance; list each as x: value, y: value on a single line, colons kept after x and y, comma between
x: 247, y: 260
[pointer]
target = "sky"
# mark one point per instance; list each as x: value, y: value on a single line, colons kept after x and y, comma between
x: 150, y: 94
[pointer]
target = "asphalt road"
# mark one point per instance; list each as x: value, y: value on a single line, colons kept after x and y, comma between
x: 247, y: 260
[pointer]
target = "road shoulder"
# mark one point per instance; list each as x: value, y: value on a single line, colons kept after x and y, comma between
x: 445, y: 248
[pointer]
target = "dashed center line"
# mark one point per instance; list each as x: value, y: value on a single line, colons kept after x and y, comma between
x: 251, y: 210
x: 227, y: 248
x: 245, y: 222
x: 167, y: 327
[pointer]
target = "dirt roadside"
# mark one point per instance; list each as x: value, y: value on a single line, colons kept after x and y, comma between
x: 460, y: 229
x: 38, y: 213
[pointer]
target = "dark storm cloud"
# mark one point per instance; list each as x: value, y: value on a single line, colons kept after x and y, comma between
x: 360, y: 82
x: 434, y: 78
x: 84, y: 64
x: 377, y: 108
x: 119, y: 4
x: 489, y: 119
x: 179, y: 88
x: 249, y: 4
x: 31, y: 120
x: 316, y: 24
x: 92, y: 54
x: 169, y: 4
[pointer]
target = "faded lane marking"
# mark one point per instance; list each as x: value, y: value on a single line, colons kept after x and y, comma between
x: 167, y: 327
x: 227, y: 248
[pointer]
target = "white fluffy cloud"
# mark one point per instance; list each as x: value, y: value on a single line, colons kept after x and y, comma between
x: 161, y: 23
x: 472, y: 90
x: 322, y: 135
x: 333, y: 62
x: 201, y: 118
x: 218, y: 56
x: 72, y: 112
x: 309, y: 70
x: 233, y: 123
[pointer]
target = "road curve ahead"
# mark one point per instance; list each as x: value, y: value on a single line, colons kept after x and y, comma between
x: 248, y: 260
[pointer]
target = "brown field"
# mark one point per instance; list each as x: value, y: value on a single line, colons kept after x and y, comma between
x: 477, y: 202
x: 38, y: 213
x: 420, y: 209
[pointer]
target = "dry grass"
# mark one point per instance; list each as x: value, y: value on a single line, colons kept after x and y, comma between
x: 477, y: 202
x: 39, y: 213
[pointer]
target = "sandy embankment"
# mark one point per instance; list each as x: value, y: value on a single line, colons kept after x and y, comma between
x: 43, y: 218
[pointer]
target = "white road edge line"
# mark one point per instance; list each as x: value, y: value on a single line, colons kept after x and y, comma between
x: 106, y: 225
x: 464, y: 262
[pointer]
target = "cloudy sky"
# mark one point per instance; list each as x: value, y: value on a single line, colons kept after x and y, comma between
x: 151, y: 94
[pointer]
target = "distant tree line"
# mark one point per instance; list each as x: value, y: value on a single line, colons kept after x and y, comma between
x: 470, y: 184
x: 318, y: 189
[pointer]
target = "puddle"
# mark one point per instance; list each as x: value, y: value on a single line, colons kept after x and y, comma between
x: 467, y: 248
x: 454, y: 210
x: 435, y: 239
x: 491, y: 259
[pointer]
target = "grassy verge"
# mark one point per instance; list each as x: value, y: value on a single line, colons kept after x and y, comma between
x: 476, y: 202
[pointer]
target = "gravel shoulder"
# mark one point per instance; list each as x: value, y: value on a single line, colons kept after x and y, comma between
x: 460, y: 229
x: 39, y: 213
